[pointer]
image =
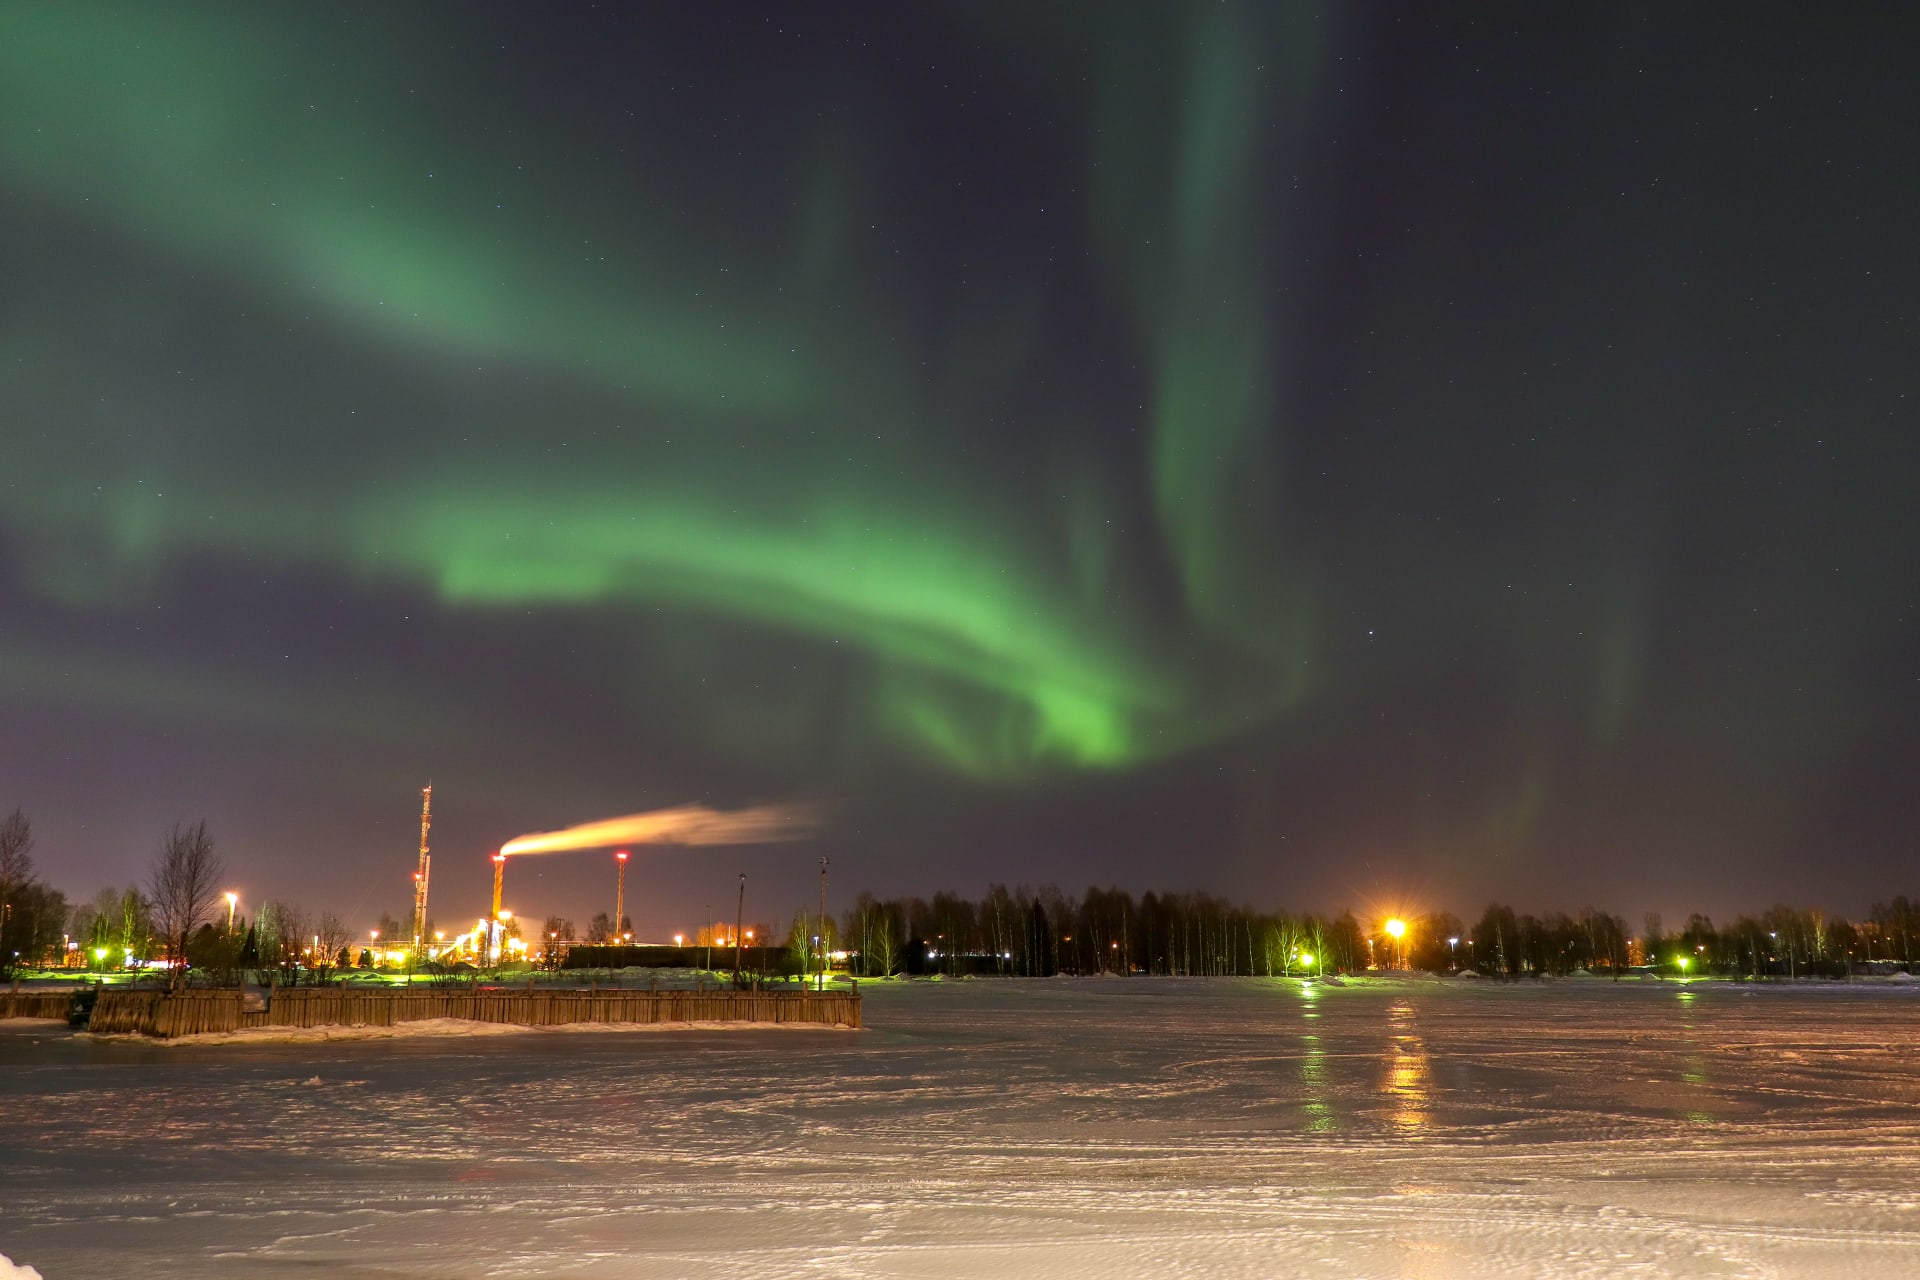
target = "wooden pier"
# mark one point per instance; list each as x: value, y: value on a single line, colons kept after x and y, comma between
x: 35, y: 1004
x: 183, y: 1013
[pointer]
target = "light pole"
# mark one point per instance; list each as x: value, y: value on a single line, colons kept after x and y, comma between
x: 823, y: 923
x: 740, y: 918
x: 1397, y: 929
x: 709, y: 928
x: 1453, y: 961
x: 233, y: 900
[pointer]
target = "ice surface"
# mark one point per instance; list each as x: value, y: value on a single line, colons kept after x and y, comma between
x: 1112, y: 1128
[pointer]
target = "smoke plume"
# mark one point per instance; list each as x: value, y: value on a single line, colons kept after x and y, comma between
x: 687, y: 825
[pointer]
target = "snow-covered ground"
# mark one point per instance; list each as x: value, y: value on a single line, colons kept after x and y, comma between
x: 1110, y: 1128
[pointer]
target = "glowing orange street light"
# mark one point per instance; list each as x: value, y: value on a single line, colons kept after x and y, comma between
x: 1396, y: 929
x: 233, y: 899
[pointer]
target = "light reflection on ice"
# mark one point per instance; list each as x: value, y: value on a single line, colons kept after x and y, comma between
x: 1407, y: 1081
x: 1313, y: 1067
x: 1693, y: 1066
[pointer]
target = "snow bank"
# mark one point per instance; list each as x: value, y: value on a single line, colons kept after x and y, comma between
x: 11, y: 1270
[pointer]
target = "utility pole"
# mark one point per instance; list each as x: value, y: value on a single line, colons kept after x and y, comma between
x: 740, y: 922
x: 823, y: 922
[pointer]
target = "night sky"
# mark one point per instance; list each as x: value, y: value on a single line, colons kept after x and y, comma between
x: 1325, y: 457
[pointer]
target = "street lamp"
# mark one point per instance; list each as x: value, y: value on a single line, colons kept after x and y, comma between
x: 233, y: 900
x: 1452, y: 961
x: 1397, y: 929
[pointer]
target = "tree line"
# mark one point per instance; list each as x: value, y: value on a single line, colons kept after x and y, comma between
x: 172, y: 917
x: 1014, y: 932
x: 1026, y: 932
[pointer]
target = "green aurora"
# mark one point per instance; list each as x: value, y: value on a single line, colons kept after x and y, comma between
x: 775, y: 459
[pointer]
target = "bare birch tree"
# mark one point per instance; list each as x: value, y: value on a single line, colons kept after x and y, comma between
x: 283, y: 936
x: 332, y: 937
x: 16, y: 868
x: 182, y: 881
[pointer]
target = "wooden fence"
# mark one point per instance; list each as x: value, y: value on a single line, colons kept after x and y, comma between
x: 35, y: 1004
x: 159, y: 1013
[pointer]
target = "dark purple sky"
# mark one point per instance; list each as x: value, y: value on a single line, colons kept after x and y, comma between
x: 1382, y: 455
